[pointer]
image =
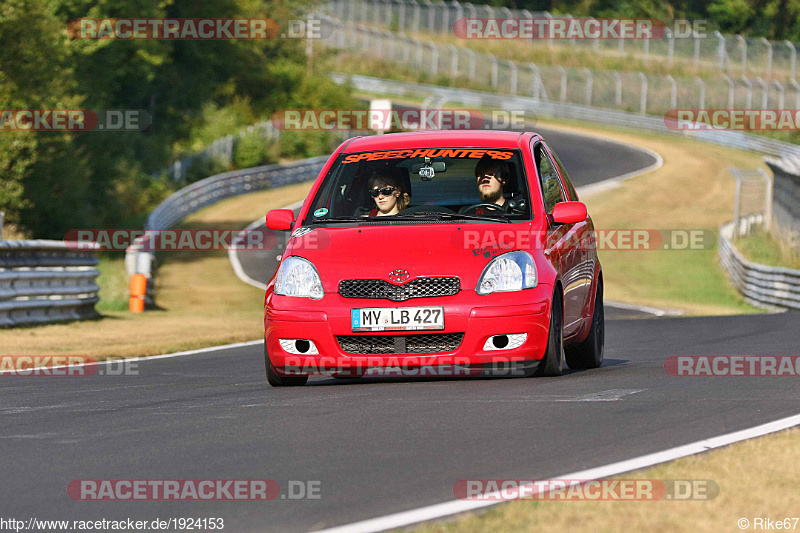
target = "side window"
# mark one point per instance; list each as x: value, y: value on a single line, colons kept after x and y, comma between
x: 548, y: 176
x: 565, y: 178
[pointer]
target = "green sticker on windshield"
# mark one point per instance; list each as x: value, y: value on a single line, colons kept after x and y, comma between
x: 321, y: 212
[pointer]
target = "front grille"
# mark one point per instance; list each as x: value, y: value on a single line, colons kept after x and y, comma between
x: 400, y: 344
x: 383, y: 290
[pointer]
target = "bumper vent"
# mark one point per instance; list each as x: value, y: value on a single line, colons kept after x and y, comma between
x: 378, y: 289
x: 400, y: 344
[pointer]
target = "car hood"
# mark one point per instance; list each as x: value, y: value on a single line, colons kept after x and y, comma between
x: 423, y: 250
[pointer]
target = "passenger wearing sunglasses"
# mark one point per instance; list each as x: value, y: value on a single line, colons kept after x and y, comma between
x: 389, y: 198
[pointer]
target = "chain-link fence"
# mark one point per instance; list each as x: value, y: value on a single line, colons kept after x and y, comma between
x: 734, y: 55
x: 626, y: 91
x: 222, y: 149
x: 753, y: 201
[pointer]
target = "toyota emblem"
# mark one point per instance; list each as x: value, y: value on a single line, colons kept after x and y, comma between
x: 399, y: 276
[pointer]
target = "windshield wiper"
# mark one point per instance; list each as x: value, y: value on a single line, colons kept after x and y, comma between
x: 338, y: 219
x: 422, y: 215
x: 450, y: 216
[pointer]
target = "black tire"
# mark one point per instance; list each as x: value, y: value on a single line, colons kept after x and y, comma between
x: 589, y: 353
x: 275, y: 379
x: 553, y: 362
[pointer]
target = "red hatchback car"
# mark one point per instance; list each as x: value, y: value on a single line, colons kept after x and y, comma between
x: 436, y: 252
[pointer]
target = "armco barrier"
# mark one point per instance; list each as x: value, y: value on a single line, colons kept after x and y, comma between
x: 45, y: 281
x: 546, y: 108
x: 210, y: 191
x: 215, y: 188
x: 761, y: 285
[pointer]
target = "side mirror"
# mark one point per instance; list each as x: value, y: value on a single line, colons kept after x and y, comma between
x: 569, y: 212
x: 280, y: 219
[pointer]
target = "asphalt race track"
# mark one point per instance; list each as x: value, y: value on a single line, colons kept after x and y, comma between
x: 375, y: 445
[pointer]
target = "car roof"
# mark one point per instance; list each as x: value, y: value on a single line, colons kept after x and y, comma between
x: 437, y: 139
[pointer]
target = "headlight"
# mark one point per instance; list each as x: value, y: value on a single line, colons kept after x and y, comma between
x: 298, y: 277
x: 512, y: 271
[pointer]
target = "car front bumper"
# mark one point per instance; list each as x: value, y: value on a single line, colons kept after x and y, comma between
x: 478, y: 317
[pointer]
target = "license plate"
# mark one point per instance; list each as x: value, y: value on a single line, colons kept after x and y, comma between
x: 397, y: 318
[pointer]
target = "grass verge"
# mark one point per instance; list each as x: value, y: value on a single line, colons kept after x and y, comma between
x: 693, y: 190
x: 113, y: 283
x: 762, y: 247
x: 768, y: 488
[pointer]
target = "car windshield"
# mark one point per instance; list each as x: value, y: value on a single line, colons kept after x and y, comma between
x: 446, y: 184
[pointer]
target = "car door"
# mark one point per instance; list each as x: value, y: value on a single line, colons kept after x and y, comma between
x: 583, y: 238
x: 561, y: 241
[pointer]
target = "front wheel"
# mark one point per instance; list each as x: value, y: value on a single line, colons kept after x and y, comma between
x: 275, y: 379
x: 553, y: 363
x: 589, y: 353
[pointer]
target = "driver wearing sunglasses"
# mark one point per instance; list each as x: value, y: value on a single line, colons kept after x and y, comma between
x: 386, y: 193
x: 492, y: 176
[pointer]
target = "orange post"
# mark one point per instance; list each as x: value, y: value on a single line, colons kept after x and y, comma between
x: 138, y: 289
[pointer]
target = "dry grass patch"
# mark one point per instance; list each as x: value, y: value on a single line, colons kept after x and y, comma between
x: 763, y: 247
x: 692, y: 190
x: 767, y: 488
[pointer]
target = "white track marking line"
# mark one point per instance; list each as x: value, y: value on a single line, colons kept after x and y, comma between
x: 237, y: 265
x: 145, y: 358
x: 611, y: 395
x: 613, y: 183
x: 643, y: 308
x: 234, y: 258
x: 440, y: 510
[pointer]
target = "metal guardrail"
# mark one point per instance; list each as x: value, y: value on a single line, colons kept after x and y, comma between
x: 46, y: 281
x: 761, y: 285
x: 468, y: 97
x: 215, y: 188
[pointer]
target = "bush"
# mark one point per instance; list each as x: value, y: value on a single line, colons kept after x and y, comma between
x: 252, y: 150
x: 203, y: 167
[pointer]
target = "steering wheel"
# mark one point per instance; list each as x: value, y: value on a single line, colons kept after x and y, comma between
x: 491, y: 208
